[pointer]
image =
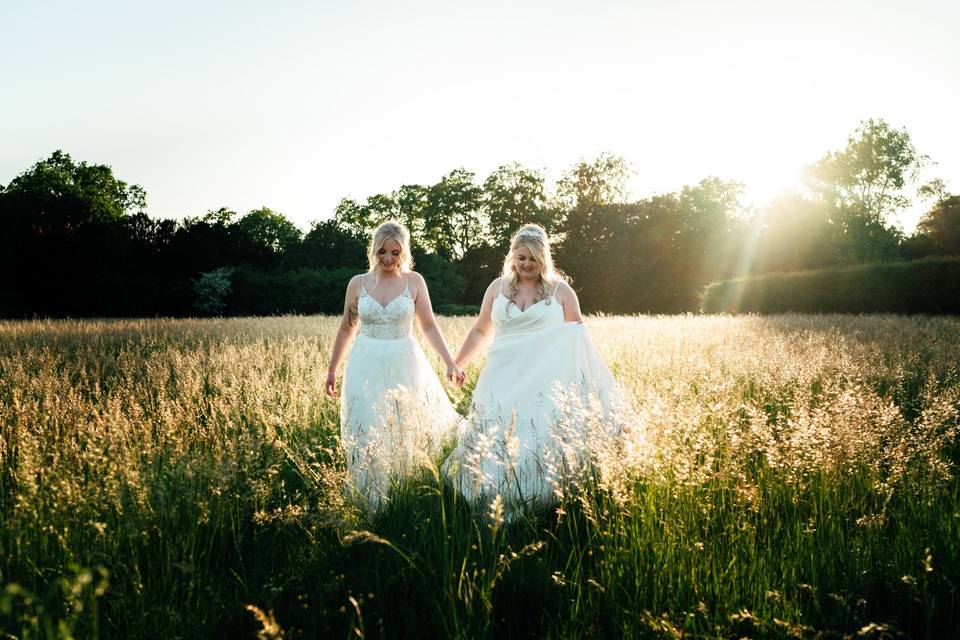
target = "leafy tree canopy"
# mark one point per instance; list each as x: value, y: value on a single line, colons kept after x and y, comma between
x: 593, y: 183
x: 869, y: 175
x: 269, y: 230
x: 941, y: 226
x: 452, y: 215
x: 60, y: 195
x: 514, y: 195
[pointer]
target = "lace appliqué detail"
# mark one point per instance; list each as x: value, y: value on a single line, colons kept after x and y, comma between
x: 386, y: 322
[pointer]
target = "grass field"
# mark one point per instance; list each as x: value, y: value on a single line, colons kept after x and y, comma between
x: 789, y: 476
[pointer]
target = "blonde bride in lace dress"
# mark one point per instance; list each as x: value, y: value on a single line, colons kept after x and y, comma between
x: 393, y: 408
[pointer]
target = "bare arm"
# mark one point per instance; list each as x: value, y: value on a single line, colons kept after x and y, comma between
x: 423, y: 311
x: 345, y: 334
x: 482, y: 330
x: 571, y: 304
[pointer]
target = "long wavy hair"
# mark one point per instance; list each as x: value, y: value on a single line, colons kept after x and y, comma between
x: 390, y: 230
x: 535, y: 238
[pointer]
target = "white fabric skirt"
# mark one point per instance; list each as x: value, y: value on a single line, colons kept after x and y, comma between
x: 394, y: 413
x: 533, y: 406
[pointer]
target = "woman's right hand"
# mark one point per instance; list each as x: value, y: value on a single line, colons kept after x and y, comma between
x: 455, y: 375
x: 331, y: 385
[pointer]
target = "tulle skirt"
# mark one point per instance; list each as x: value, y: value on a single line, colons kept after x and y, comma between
x: 394, y: 413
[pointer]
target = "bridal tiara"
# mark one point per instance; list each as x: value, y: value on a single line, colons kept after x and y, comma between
x: 530, y: 233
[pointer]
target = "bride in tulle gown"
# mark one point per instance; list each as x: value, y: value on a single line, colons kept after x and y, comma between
x: 393, y: 408
x: 542, y: 377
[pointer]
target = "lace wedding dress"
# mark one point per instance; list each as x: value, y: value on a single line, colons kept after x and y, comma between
x: 542, y: 389
x: 394, y: 412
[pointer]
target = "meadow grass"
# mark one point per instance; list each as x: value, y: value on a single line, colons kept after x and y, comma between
x: 788, y: 476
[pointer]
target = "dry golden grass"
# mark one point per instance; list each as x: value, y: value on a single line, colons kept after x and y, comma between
x: 163, y: 449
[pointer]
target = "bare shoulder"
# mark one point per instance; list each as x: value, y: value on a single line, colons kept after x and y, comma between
x: 355, y: 282
x: 416, y: 281
x: 565, y: 292
x: 417, y: 285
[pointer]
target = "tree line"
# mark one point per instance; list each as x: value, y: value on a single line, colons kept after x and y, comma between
x: 75, y: 241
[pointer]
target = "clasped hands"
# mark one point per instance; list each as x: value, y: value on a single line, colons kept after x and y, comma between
x: 455, y: 375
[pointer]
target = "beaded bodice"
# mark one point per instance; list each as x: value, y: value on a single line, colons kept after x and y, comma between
x: 386, y: 322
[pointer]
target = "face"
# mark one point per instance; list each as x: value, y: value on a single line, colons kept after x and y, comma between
x: 389, y: 255
x: 526, y: 266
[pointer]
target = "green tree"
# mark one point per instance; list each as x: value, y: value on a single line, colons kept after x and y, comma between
x: 452, y: 215
x: 583, y: 192
x: 870, y: 174
x: 935, y: 190
x: 406, y: 205
x: 791, y: 233
x: 941, y: 226
x: 863, y: 186
x: 269, y: 230
x: 514, y: 195
x: 211, y: 290
x: 598, y: 182
x: 222, y: 217
x: 591, y: 195
x: 713, y: 222
x: 411, y: 203
x: 329, y: 246
x: 63, y: 235
x: 352, y: 217
x: 60, y: 195
x: 653, y: 247
x: 379, y: 208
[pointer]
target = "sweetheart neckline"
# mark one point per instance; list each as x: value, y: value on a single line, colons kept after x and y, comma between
x: 405, y: 292
x: 528, y: 308
x: 402, y: 294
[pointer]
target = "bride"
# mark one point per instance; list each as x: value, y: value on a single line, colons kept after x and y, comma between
x: 393, y: 407
x: 540, y: 370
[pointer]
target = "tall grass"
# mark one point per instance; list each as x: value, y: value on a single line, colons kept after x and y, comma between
x: 784, y: 477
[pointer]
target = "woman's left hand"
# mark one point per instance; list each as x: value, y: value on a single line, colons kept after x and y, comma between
x: 455, y: 374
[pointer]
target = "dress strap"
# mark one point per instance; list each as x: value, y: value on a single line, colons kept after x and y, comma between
x: 363, y: 287
x: 501, y: 287
x: 555, y: 289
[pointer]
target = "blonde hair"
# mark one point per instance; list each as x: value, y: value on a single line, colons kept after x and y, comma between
x: 390, y: 230
x: 535, y: 239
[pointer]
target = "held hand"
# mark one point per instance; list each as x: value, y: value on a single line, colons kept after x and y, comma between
x: 455, y: 375
x: 331, y: 385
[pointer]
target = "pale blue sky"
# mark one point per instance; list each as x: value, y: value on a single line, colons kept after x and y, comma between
x: 294, y: 105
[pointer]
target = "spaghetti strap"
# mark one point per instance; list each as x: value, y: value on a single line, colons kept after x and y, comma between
x: 555, y: 289
x: 363, y: 287
x: 501, y: 288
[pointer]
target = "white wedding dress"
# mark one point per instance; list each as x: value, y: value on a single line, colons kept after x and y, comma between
x: 544, y: 386
x: 394, y: 412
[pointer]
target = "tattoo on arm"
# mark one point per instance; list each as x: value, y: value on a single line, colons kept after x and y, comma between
x: 352, y: 316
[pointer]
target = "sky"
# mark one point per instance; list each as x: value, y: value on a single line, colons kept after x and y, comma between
x: 295, y: 105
